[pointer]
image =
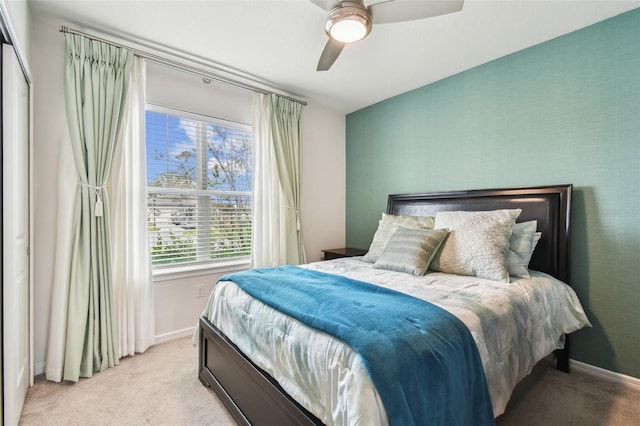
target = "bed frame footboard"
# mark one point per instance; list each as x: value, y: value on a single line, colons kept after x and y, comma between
x: 249, y: 393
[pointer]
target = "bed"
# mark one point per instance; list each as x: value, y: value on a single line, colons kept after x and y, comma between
x: 253, y: 396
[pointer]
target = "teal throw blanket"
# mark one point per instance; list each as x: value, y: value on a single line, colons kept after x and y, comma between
x: 422, y: 359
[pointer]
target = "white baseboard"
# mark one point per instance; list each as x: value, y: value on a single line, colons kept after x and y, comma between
x: 166, y: 337
x: 605, y: 374
x: 40, y: 368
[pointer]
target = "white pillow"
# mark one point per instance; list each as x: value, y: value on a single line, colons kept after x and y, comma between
x: 477, y: 243
x: 388, y: 225
x: 521, y: 244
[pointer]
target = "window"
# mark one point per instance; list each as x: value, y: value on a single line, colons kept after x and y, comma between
x: 199, y: 181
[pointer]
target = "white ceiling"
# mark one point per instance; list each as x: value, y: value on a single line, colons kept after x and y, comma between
x: 280, y: 41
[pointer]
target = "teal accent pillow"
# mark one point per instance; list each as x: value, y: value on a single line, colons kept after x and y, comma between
x: 411, y: 250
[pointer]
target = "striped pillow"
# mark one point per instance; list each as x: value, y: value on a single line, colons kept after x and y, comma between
x: 388, y: 225
x: 411, y: 250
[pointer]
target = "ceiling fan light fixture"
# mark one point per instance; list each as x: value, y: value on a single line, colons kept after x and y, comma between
x: 348, y: 22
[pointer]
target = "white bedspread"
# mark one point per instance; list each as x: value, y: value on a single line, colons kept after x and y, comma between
x: 514, y: 325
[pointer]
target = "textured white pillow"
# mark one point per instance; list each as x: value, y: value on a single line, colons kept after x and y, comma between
x: 521, y: 245
x: 477, y: 243
x: 388, y: 225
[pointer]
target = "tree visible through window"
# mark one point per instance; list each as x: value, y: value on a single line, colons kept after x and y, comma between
x: 199, y: 182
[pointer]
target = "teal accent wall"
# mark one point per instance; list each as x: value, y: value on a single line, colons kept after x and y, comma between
x: 565, y: 111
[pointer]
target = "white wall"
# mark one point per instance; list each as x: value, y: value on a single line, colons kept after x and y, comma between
x: 177, y: 307
x: 323, y: 180
x: 177, y: 89
x: 50, y: 130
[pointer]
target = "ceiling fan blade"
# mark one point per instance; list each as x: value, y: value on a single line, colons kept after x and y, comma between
x: 410, y: 10
x: 329, y: 55
x: 325, y: 4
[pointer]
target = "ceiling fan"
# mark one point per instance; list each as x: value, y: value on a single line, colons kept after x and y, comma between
x: 351, y: 20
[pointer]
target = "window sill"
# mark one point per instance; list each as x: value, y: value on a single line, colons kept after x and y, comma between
x: 167, y: 274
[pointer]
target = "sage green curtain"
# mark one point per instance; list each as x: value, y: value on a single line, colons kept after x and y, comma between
x: 96, y: 82
x: 285, y: 132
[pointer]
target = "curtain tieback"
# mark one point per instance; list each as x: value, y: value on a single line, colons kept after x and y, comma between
x: 98, y: 189
x: 297, y: 212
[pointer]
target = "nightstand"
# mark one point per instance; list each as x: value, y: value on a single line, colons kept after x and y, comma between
x: 343, y: 252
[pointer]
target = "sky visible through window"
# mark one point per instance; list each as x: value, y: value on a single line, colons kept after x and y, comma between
x: 172, y: 153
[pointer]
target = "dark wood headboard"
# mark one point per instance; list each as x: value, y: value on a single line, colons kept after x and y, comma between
x: 549, y: 205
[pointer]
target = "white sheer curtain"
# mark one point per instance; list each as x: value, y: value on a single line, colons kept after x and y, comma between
x: 277, y: 237
x: 131, y: 261
x: 268, y: 248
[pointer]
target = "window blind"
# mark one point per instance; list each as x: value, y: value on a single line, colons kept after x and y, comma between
x: 199, y: 188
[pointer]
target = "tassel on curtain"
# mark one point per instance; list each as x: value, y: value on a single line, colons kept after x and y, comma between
x: 285, y: 129
x: 277, y: 234
x: 96, y: 83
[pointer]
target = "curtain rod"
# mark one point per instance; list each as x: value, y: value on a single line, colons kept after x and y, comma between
x: 180, y: 66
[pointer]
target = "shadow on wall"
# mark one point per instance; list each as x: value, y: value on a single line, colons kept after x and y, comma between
x: 548, y: 396
x: 590, y: 345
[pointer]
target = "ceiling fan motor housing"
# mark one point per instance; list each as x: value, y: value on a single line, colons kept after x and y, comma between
x: 349, y: 14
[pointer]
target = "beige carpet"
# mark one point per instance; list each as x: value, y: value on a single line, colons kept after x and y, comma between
x: 549, y: 397
x: 161, y: 387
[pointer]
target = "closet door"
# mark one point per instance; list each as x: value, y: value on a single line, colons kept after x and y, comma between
x: 15, y: 235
